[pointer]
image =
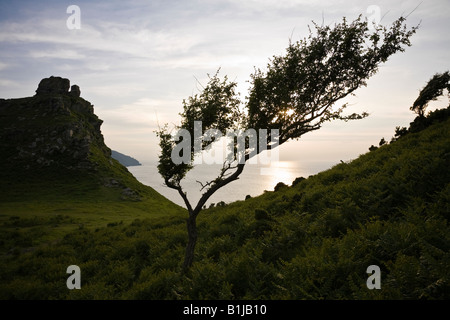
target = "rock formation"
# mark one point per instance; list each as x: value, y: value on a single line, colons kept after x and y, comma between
x: 57, y: 85
x: 75, y: 91
x: 56, y: 127
x: 57, y: 134
x: 53, y: 85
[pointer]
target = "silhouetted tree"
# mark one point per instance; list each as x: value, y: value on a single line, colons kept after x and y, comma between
x: 432, y: 90
x: 295, y: 95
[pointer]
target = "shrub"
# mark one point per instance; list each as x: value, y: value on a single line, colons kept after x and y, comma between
x: 297, y: 180
x: 207, y: 281
x: 156, y: 286
x: 221, y: 204
x: 279, y: 186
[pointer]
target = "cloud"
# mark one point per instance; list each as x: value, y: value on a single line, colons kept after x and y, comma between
x: 104, y: 36
x: 3, y: 66
x: 57, y: 54
x: 9, y: 83
x: 137, y: 58
x: 144, y: 113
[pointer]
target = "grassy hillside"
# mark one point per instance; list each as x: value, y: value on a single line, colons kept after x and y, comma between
x: 57, y: 176
x: 314, y: 240
x: 55, y: 166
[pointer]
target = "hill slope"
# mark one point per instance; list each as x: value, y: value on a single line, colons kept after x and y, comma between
x: 314, y: 240
x: 55, y: 137
x: 55, y: 165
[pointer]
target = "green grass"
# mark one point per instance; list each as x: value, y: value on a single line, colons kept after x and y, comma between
x: 314, y: 240
x: 56, y: 206
x: 33, y: 197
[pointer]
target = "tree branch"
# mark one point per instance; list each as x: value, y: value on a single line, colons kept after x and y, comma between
x: 222, y: 174
x: 181, y: 192
x: 217, y: 186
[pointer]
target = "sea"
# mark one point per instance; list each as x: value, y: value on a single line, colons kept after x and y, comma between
x: 254, y: 180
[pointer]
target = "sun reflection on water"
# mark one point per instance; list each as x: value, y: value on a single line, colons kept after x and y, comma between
x: 280, y: 171
x: 253, y: 181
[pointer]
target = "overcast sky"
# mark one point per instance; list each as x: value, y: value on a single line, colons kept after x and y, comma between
x: 135, y: 61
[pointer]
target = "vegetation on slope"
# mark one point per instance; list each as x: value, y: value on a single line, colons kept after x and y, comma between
x: 314, y: 240
x: 57, y: 176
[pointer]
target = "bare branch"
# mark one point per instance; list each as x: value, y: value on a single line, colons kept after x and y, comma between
x: 217, y: 186
x: 223, y: 174
x: 181, y: 192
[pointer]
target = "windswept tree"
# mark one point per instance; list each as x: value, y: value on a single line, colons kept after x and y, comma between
x: 432, y: 90
x: 296, y: 94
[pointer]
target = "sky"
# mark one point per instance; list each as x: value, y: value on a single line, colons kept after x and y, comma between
x: 136, y: 61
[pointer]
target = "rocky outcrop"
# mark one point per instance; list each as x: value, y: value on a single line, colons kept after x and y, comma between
x: 75, y: 91
x: 56, y: 127
x: 57, y: 85
x: 56, y: 135
x: 53, y: 85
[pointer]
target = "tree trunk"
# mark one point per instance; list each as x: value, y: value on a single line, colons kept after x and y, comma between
x: 193, y: 213
x: 192, y: 241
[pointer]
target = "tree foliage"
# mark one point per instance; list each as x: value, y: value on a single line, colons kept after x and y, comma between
x: 299, y: 90
x: 296, y: 94
x: 432, y: 90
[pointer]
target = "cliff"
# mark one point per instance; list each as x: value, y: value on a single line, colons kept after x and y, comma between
x: 55, y: 136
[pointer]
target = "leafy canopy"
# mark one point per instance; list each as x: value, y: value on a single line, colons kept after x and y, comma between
x: 296, y: 94
x: 433, y: 89
x: 299, y: 90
